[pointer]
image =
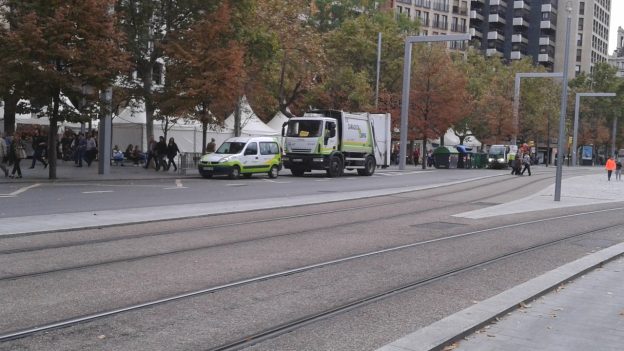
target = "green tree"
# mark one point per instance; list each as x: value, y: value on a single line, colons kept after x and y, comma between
x: 64, y: 45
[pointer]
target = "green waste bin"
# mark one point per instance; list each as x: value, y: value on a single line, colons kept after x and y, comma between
x: 445, y: 157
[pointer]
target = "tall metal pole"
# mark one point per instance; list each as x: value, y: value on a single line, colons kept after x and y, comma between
x: 516, y: 110
x: 576, y: 120
x: 378, y: 69
x: 105, y: 133
x: 407, y: 71
x: 564, y: 104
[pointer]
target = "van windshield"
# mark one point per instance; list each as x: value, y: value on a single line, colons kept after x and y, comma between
x: 230, y: 148
x: 497, y: 150
x: 304, y: 128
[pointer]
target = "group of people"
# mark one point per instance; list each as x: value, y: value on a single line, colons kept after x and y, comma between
x: 613, y: 165
x: 519, y: 161
x: 157, y: 151
x: 12, y: 152
x: 79, y: 147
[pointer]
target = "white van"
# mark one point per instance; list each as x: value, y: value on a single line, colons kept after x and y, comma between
x: 243, y: 155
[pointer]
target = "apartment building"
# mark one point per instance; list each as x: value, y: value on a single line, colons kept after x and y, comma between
x: 589, y: 43
x: 516, y: 29
x: 617, y: 60
x: 437, y: 17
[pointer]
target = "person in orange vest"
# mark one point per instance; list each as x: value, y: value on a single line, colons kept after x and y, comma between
x: 610, y: 167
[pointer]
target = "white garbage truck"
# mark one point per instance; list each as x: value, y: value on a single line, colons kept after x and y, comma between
x: 336, y: 140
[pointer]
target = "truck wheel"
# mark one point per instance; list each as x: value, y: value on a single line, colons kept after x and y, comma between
x: 273, y: 172
x: 369, y: 167
x: 235, y: 172
x: 335, y: 167
x: 296, y: 172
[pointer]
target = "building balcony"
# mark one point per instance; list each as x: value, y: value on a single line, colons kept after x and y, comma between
x: 546, y: 41
x: 547, y: 25
x: 423, y: 3
x: 476, y: 15
x: 498, y: 2
x: 519, y: 38
x: 475, y: 33
x: 440, y: 25
x: 545, y: 58
x: 496, y: 18
x: 520, y: 22
x: 515, y: 55
x: 495, y: 36
x: 549, y: 8
x: 458, y: 28
x: 521, y: 5
x: 462, y: 11
x: 491, y: 52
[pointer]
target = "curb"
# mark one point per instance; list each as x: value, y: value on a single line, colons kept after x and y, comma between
x: 437, y: 335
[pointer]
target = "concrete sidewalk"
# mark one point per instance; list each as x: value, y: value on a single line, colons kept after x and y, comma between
x: 582, y: 314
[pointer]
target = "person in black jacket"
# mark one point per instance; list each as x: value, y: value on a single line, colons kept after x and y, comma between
x: 160, y: 153
x: 39, y: 144
x: 172, y: 152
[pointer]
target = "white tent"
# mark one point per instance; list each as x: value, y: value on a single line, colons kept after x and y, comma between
x: 129, y: 128
x: 251, y: 125
x: 278, y: 121
x: 32, y: 119
x: 450, y: 139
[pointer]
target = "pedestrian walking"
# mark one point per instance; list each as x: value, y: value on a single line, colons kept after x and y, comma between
x: 90, y: 149
x: 211, y: 147
x: 618, y: 170
x: 517, y: 165
x: 526, y: 160
x: 610, y: 167
x: 39, y: 146
x: 17, y: 153
x: 4, y: 155
x: 172, y: 152
x: 151, y: 149
x: 160, y: 152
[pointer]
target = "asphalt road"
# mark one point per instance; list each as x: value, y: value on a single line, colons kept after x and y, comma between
x: 32, y: 198
x: 55, y: 276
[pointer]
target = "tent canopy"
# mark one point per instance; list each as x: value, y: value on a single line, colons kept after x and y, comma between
x: 250, y: 123
x: 278, y: 121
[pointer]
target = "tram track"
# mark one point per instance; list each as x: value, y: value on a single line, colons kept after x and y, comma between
x: 246, y: 241
x: 294, y: 324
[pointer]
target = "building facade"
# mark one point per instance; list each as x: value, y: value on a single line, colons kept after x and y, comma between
x: 617, y: 59
x: 589, y: 40
x: 437, y: 17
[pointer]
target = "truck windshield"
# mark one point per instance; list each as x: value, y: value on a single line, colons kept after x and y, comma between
x: 230, y: 148
x: 304, y: 128
x: 499, y: 151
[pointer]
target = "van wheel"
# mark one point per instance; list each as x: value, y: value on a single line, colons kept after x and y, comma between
x: 273, y: 173
x: 369, y: 167
x: 235, y: 172
x: 247, y: 175
x: 335, y: 167
x: 297, y: 172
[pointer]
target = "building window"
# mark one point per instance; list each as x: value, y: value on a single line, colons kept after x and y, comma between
x: 579, y: 53
x: 580, y: 24
x: 582, y: 8
x: 579, y: 39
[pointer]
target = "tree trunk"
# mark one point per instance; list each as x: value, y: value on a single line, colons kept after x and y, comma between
x: 237, y: 117
x: 148, y: 100
x: 204, y: 135
x: 56, y: 102
x: 10, y: 106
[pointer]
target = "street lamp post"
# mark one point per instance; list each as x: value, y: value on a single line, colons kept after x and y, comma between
x: 516, y: 101
x: 564, y: 103
x: 407, y: 69
x: 576, y: 118
x: 105, y: 133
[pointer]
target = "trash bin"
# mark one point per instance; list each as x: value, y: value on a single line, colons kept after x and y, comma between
x: 480, y: 160
x: 445, y: 157
x: 465, y: 157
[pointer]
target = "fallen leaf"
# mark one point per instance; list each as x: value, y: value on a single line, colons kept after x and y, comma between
x: 450, y: 347
x: 491, y: 335
x: 102, y: 336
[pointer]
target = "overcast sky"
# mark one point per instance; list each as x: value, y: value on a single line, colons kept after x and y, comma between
x: 617, y: 19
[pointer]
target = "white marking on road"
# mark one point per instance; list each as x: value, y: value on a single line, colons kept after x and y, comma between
x: 6, y: 195
x: 97, y: 192
x: 24, y: 189
x: 322, y: 180
x: 176, y: 187
x: 237, y: 184
x: 178, y: 183
x: 275, y: 181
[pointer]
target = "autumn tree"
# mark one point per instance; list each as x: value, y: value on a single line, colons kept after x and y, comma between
x: 64, y: 45
x: 148, y: 24
x: 437, y: 94
x: 206, y: 72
